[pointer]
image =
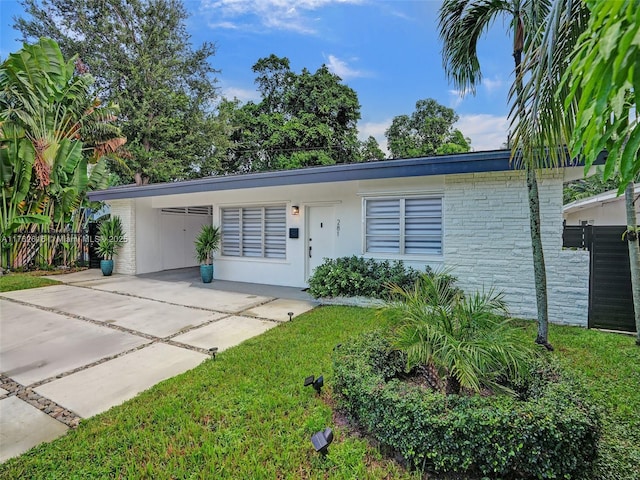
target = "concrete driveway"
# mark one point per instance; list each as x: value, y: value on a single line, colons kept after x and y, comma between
x: 74, y: 350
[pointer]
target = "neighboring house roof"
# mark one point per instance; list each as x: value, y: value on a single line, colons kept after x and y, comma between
x: 596, y: 200
x: 472, y: 162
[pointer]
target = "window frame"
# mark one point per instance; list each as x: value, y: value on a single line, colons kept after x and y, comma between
x: 402, y: 227
x: 241, y: 246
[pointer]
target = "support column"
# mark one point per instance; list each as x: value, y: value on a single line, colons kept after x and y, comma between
x: 125, y: 260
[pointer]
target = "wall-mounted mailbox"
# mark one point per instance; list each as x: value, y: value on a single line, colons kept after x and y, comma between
x: 294, y: 232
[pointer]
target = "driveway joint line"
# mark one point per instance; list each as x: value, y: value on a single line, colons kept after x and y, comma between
x: 42, y: 403
x: 125, y: 294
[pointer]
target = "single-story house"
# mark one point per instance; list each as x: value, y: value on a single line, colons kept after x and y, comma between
x: 604, y: 209
x: 468, y: 212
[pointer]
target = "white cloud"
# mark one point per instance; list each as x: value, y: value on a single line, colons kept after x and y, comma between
x: 273, y: 14
x: 487, y: 132
x: 224, y: 25
x: 492, y: 84
x: 340, y: 68
x: 455, y: 98
x: 376, y: 130
x: 242, y: 94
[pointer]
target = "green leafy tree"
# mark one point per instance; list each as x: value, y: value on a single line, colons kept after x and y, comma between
x: 462, y: 23
x: 302, y: 120
x: 428, y: 131
x: 140, y: 54
x: 588, y: 187
x: 370, y: 150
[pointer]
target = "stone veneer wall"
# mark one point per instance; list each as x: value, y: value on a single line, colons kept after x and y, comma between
x: 488, y: 243
x: 125, y: 260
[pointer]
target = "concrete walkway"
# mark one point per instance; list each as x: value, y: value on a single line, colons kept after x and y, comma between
x: 74, y: 350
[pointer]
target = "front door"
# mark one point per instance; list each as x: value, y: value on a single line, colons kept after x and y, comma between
x: 321, y: 234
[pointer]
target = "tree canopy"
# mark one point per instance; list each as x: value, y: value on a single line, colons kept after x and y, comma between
x: 140, y: 53
x: 302, y: 120
x: 427, y: 131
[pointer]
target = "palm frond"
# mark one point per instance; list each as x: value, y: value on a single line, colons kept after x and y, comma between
x: 461, y: 24
x: 543, y: 126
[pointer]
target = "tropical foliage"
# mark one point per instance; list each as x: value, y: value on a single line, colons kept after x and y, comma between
x: 581, y: 85
x: 141, y: 57
x: 427, y: 131
x: 53, y: 137
x: 462, y: 23
x: 603, y: 77
x: 207, y: 243
x: 588, y: 187
x: 110, y: 237
x: 468, y: 341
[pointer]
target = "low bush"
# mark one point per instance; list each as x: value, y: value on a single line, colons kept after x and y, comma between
x: 551, y: 432
x: 357, y: 276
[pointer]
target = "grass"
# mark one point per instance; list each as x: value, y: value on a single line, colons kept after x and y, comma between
x: 23, y: 281
x: 247, y: 414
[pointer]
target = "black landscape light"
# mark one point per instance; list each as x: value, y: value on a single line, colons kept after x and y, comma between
x: 290, y: 316
x: 317, y: 383
x: 322, y: 440
x: 213, y: 351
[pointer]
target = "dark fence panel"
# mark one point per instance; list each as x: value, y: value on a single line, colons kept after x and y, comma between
x: 577, y: 237
x: 28, y: 250
x: 610, y: 295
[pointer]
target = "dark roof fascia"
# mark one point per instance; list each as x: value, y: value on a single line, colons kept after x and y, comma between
x: 473, y: 162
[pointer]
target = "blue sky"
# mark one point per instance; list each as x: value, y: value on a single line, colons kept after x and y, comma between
x: 388, y: 51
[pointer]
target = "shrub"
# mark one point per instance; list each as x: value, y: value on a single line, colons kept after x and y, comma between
x: 466, y: 341
x: 357, y: 276
x: 552, y: 434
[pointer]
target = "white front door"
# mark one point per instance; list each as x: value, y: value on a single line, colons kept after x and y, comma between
x: 321, y: 234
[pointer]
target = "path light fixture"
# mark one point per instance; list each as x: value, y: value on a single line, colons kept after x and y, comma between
x: 290, y: 315
x: 321, y: 440
x: 213, y: 351
x: 295, y: 210
x: 316, y: 384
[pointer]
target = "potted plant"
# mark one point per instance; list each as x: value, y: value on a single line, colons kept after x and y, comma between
x: 207, y: 243
x: 110, y: 240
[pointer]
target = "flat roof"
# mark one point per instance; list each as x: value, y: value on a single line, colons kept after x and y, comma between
x: 600, y: 199
x: 471, y: 162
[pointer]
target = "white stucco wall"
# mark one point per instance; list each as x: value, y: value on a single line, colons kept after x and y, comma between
x: 488, y: 243
x: 485, y: 224
x: 612, y: 213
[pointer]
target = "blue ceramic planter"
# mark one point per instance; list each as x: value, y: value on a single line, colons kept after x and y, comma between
x: 107, y: 267
x: 206, y: 273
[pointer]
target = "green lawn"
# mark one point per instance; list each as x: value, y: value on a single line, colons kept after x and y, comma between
x: 247, y: 414
x: 22, y: 281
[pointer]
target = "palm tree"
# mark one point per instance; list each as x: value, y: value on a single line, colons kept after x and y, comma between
x: 459, y: 341
x: 587, y: 45
x: 461, y: 24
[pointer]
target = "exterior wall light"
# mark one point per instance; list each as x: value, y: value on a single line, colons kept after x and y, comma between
x: 295, y: 210
x: 322, y: 440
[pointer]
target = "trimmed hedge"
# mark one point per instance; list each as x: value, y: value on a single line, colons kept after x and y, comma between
x: 356, y: 276
x: 552, y: 433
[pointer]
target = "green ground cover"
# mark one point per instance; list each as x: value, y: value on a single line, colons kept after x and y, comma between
x: 22, y: 281
x: 247, y: 414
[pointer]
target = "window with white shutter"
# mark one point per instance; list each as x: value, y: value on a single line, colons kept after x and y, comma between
x: 254, y: 232
x: 403, y: 226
